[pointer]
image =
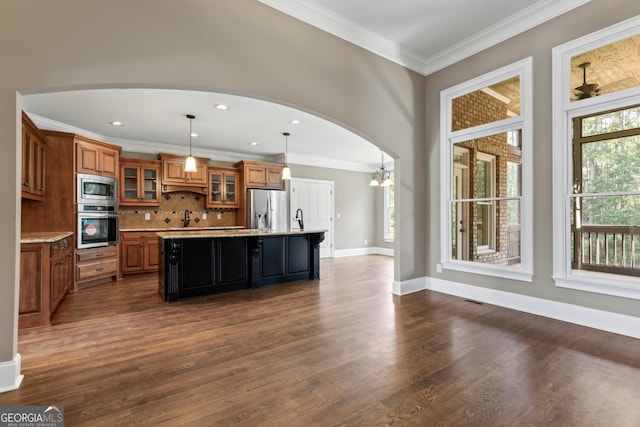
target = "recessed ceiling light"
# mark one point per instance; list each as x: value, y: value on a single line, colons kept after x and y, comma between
x: 116, y: 123
x: 254, y: 143
x: 195, y: 135
x: 295, y: 122
x: 222, y: 107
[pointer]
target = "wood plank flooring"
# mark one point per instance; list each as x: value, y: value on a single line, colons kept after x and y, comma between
x: 342, y: 351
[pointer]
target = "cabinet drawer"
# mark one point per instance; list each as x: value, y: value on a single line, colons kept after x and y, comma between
x: 97, y: 254
x: 107, y: 267
x: 138, y: 235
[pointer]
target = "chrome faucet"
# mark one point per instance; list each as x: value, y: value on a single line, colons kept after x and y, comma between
x: 187, y: 219
x: 300, y: 218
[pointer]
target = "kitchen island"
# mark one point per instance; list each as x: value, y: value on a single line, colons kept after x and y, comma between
x: 204, y: 262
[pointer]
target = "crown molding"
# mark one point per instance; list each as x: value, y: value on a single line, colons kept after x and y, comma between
x: 49, y: 124
x: 532, y: 16
x: 333, y: 23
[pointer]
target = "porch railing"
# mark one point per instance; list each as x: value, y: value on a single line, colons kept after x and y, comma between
x: 607, y: 248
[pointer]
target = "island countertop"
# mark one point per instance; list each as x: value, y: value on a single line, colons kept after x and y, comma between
x: 167, y: 229
x: 243, y: 232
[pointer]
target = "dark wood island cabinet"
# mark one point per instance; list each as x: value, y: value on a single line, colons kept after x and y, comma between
x: 208, y: 262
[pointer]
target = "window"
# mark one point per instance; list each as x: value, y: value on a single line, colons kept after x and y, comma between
x: 596, y: 193
x: 389, y: 214
x: 605, y: 204
x: 486, y: 181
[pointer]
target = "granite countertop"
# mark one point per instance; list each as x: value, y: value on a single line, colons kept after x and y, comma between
x: 44, y: 236
x: 166, y: 229
x: 232, y: 233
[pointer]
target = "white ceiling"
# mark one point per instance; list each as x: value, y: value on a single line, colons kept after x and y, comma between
x: 155, y: 121
x: 423, y: 35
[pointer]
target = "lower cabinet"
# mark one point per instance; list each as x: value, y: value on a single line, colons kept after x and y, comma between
x: 46, y: 275
x: 281, y: 259
x: 138, y: 252
x: 96, y: 263
x: 213, y: 265
x: 191, y: 267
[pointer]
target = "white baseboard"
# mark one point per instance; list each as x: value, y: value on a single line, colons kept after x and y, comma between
x: 10, y: 378
x: 409, y: 286
x: 338, y: 253
x: 584, y: 316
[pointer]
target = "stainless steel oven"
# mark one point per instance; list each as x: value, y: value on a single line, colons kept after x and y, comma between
x: 97, y: 190
x: 97, y: 226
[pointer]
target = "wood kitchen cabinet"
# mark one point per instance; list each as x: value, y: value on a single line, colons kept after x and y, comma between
x: 261, y: 174
x: 138, y: 252
x: 46, y: 275
x: 174, y: 178
x: 139, y: 182
x: 223, y: 186
x: 33, y: 160
x: 255, y: 174
x: 61, y: 269
x: 96, y: 263
x: 97, y: 157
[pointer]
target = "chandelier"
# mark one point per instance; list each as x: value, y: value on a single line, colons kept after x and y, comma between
x: 382, y: 176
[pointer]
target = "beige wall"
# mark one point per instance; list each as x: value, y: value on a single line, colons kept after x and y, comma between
x: 538, y: 44
x: 354, y: 200
x: 240, y: 47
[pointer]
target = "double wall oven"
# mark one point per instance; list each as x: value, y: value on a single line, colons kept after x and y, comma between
x: 97, y: 201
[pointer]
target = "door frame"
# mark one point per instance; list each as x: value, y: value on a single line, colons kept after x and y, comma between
x: 331, y: 231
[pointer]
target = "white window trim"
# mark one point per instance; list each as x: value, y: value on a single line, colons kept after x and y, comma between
x: 563, y: 113
x: 387, y: 234
x: 523, y: 69
x: 491, y: 230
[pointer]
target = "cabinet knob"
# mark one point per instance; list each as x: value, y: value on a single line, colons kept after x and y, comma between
x: 26, y: 184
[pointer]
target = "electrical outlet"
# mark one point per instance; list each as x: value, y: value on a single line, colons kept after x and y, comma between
x: 147, y: 216
x: 366, y: 242
x: 338, y: 215
x: 218, y: 215
x: 204, y: 215
x: 438, y: 267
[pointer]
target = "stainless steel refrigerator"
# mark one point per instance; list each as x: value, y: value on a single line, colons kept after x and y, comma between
x: 267, y: 209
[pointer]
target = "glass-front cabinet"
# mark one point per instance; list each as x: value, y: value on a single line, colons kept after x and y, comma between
x: 139, y: 182
x: 223, y: 188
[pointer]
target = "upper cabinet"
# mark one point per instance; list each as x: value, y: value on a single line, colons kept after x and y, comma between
x: 223, y: 188
x: 261, y: 174
x: 33, y: 160
x: 97, y: 157
x: 139, y: 182
x: 174, y: 178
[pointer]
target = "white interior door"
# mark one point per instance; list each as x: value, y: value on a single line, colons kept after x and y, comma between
x: 315, y: 198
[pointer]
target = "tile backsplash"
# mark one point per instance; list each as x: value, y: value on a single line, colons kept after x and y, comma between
x: 170, y: 213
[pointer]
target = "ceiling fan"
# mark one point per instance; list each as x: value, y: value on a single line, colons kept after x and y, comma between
x: 587, y: 90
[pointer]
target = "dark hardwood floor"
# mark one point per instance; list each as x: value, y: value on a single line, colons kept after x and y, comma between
x: 339, y: 351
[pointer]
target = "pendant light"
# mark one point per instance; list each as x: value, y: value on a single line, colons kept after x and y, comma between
x: 286, y: 172
x: 382, y: 176
x: 190, y: 163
